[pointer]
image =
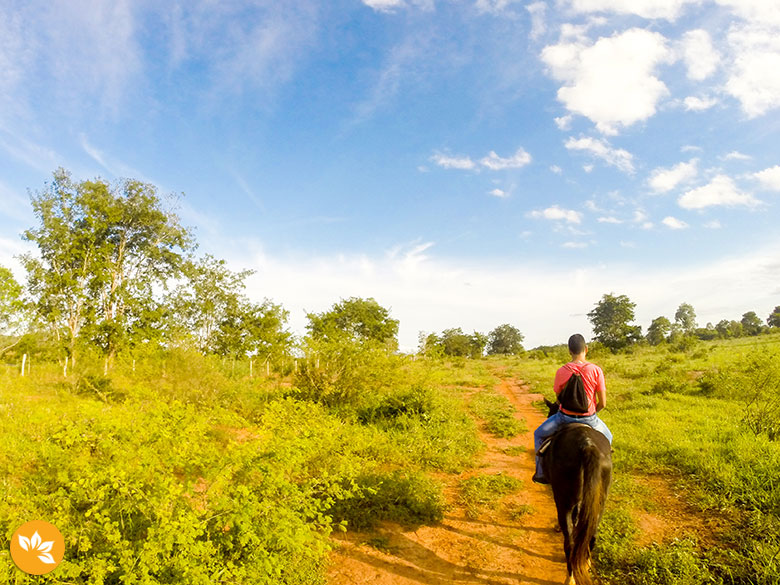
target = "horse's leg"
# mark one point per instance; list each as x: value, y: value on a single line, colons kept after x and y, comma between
x: 567, y: 527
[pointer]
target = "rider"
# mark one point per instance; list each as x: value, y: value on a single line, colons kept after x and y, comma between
x: 595, y: 388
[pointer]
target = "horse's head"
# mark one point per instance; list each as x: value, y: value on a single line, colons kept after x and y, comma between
x: 552, y: 406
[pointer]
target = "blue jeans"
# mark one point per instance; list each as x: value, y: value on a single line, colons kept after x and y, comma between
x: 558, y: 420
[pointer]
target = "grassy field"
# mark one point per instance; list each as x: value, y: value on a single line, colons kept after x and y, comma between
x: 182, y: 469
x: 704, y: 418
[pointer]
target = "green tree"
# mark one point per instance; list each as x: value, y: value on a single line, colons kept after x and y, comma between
x: 774, y: 318
x: 355, y: 319
x: 611, y: 320
x: 252, y: 329
x: 103, y: 252
x: 685, y: 318
x: 751, y: 324
x: 456, y: 343
x: 505, y: 339
x: 11, y: 304
x: 209, y: 293
x: 659, y: 330
x: 477, y: 342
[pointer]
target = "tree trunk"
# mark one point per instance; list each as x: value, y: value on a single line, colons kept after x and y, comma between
x: 24, y: 362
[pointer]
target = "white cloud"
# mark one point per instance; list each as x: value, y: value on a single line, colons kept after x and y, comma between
x: 557, y: 213
x: 616, y: 157
x: 765, y: 12
x: 674, y: 223
x: 667, y: 9
x: 699, y: 104
x: 720, y: 191
x: 612, y: 82
x: 384, y: 5
x: 736, y: 155
x: 564, y: 122
x: 663, y: 180
x: 492, y: 161
x: 556, y: 169
x: 753, y: 78
x: 454, y: 162
x: 769, y: 178
x: 588, y: 168
x: 713, y: 225
x: 538, y: 26
x: 699, y: 54
x: 496, y: 163
x: 499, y: 193
x: 574, y: 245
x: 609, y: 219
x: 427, y: 293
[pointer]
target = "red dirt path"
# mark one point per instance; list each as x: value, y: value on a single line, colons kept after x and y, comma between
x: 500, y: 548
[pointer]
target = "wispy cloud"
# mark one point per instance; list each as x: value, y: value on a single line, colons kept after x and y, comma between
x: 674, y: 223
x: 492, y: 161
x: 557, y: 213
x: 616, y: 157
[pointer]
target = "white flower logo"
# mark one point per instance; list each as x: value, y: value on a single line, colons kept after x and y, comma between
x: 36, y: 544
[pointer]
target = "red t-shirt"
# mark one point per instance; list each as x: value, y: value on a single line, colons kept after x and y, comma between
x: 592, y: 379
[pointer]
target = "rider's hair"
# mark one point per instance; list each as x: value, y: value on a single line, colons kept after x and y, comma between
x: 576, y: 344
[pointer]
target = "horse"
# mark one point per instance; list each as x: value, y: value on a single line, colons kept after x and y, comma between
x: 578, y: 464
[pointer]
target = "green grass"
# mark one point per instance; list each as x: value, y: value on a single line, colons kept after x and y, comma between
x: 497, y: 413
x: 481, y: 491
x: 705, y: 419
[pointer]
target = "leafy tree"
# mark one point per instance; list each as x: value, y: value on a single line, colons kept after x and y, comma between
x: 659, y: 330
x: 430, y: 344
x: 455, y: 342
x: 707, y: 333
x: 774, y: 318
x: 751, y: 324
x: 200, y: 303
x: 478, y: 341
x: 11, y: 304
x: 505, y: 339
x: 253, y: 329
x: 355, y: 319
x: 685, y: 318
x: 611, y: 321
x: 103, y: 252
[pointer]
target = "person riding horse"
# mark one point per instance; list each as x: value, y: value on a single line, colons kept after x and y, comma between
x: 595, y: 389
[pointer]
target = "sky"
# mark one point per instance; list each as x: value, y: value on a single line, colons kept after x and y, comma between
x: 467, y: 163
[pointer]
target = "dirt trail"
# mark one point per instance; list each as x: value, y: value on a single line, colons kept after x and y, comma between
x: 499, y: 548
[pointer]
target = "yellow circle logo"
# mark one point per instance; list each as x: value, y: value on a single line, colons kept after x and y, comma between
x: 37, y: 547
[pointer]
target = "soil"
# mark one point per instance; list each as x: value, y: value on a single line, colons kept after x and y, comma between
x: 516, y: 542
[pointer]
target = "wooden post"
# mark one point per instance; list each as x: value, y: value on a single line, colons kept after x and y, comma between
x: 267, y: 368
x: 133, y: 365
x: 24, y: 363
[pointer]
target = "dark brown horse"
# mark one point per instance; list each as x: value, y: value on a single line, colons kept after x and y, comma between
x: 578, y: 464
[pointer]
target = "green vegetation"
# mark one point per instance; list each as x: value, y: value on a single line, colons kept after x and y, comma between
x: 702, y: 416
x: 498, y: 414
x: 478, y: 492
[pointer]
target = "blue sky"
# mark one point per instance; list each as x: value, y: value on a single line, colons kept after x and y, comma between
x: 466, y: 163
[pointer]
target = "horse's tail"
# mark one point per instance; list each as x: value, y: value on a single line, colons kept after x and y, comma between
x: 596, y: 477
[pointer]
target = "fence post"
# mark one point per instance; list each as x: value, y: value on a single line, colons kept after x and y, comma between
x: 24, y: 362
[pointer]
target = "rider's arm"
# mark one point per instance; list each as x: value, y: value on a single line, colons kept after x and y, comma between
x: 601, y: 394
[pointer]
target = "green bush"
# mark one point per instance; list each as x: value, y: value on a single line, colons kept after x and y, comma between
x: 407, y: 498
